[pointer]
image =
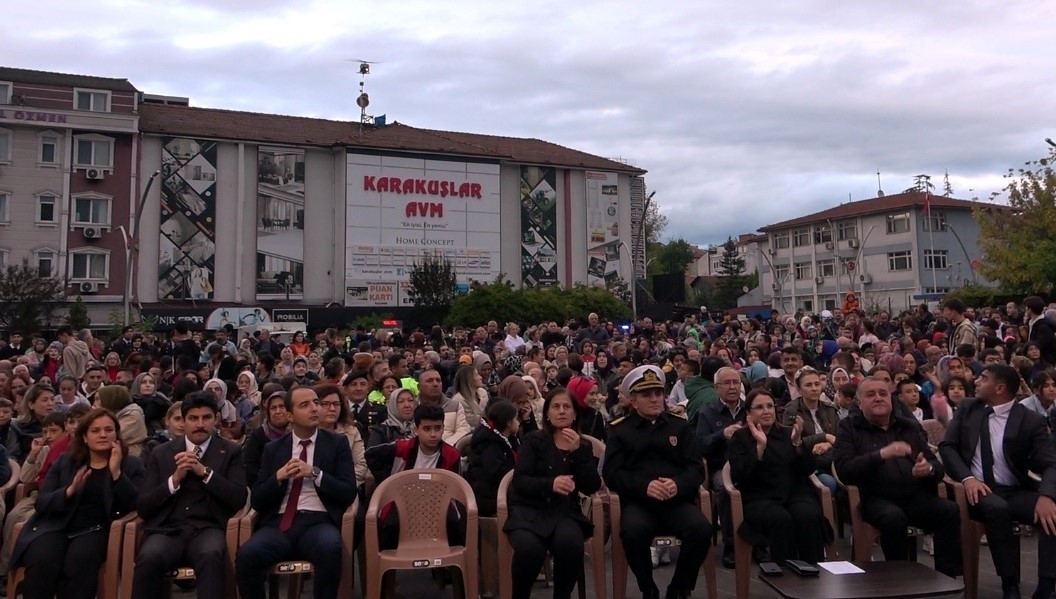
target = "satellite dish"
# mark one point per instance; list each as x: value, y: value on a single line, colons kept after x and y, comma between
x: 745, y: 289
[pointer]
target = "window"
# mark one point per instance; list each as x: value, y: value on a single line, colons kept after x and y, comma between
x: 88, y: 265
x: 94, y: 150
x: 898, y: 223
x: 899, y: 261
x: 934, y: 221
x: 781, y: 241
x: 829, y: 303
x: 803, y: 271
x: 806, y: 305
x: 5, y: 145
x: 46, y: 203
x: 5, y: 92
x: 91, y: 210
x: 781, y: 273
x: 46, y: 263
x: 801, y: 237
x: 936, y: 290
x: 847, y: 229
x: 3, y: 258
x: 4, y: 198
x: 49, y: 148
x: 936, y: 259
x: 826, y: 268
x: 822, y: 233
x: 92, y: 99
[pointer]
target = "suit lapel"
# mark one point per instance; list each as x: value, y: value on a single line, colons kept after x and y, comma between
x: 975, y: 425
x: 215, y: 454
x: 1015, y: 422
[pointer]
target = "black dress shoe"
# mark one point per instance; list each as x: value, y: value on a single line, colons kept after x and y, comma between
x: 729, y: 562
x: 1010, y: 592
x: 673, y: 593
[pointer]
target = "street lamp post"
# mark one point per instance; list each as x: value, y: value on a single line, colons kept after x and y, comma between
x: 634, y: 290
x: 132, y: 247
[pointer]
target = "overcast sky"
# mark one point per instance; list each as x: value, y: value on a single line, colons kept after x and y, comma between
x: 744, y: 114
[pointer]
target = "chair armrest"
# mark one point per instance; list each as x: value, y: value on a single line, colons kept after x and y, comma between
x: 112, y: 566
x: 825, y: 497
x: 246, y: 525
x: 16, y: 470
x: 24, y: 490
x: 705, y: 503
x: 133, y: 536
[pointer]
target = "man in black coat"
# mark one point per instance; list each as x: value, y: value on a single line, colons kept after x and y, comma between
x: 653, y: 464
x: 363, y: 413
x: 1040, y: 330
x: 990, y: 446
x: 193, y: 485
x: 716, y: 423
x: 887, y: 457
x: 307, y: 480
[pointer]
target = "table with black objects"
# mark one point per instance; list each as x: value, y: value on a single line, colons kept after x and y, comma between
x: 881, y: 580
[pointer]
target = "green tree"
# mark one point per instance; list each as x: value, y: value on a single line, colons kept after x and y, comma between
x: 28, y: 301
x: 1018, y: 243
x: 433, y: 288
x: 731, y: 277
x: 674, y: 256
x: 77, y: 317
x: 654, y: 223
x: 503, y: 303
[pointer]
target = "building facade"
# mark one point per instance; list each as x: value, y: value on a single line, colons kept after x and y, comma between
x: 68, y: 173
x: 892, y: 252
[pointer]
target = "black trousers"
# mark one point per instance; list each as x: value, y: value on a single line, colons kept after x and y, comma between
x: 639, y: 526
x: 565, y: 543
x: 202, y: 549
x: 313, y: 538
x: 933, y: 514
x: 64, y: 568
x: 793, y: 530
x: 997, y: 511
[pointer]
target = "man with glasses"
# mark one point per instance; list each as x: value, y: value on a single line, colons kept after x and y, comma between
x: 716, y: 423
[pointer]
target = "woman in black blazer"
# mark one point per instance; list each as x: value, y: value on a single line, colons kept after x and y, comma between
x: 64, y: 544
x: 770, y: 467
x: 553, y: 467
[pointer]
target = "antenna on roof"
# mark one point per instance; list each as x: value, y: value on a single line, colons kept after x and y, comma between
x: 879, y: 188
x: 363, y: 100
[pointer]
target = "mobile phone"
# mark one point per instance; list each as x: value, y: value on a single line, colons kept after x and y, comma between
x: 770, y: 569
x: 802, y: 568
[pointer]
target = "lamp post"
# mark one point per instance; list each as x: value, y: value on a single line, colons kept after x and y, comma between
x: 634, y: 290
x: 132, y: 247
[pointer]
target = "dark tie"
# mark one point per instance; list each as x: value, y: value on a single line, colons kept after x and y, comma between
x: 295, y: 492
x: 198, y: 451
x: 355, y: 411
x: 986, y: 450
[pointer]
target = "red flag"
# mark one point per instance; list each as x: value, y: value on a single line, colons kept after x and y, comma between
x: 927, y: 203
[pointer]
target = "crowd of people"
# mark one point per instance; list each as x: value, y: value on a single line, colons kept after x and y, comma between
x: 182, y: 427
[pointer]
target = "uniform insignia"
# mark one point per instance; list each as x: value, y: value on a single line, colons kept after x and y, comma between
x: 650, y: 376
x: 673, y: 440
x: 617, y: 421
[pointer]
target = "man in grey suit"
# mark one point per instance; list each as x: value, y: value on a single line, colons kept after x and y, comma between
x: 194, y: 484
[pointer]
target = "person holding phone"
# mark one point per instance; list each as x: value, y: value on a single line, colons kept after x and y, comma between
x: 64, y: 544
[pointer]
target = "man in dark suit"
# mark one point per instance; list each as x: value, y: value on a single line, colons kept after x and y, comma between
x: 307, y: 480
x: 990, y: 446
x: 1040, y: 330
x: 194, y: 484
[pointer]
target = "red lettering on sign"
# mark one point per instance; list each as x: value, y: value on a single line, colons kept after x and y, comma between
x: 383, y: 184
x: 424, y: 209
x: 433, y: 187
x: 368, y: 183
x: 474, y: 189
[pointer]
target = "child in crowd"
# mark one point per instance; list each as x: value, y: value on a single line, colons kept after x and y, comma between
x: 7, y: 432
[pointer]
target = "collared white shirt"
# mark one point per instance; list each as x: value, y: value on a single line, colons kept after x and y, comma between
x: 308, y: 500
x: 173, y: 487
x: 1002, y: 473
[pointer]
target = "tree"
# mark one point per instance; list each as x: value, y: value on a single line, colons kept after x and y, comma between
x: 730, y: 276
x: 433, y: 288
x: 947, y: 189
x: 921, y: 184
x: 28, y: 300
x: 504, y: 303
x: 674, y: 256
x: 77, y: 317
x: 654, y: 223
x: 1018, y: 243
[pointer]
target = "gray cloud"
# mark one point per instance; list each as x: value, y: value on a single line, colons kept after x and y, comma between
x: 744, y: 115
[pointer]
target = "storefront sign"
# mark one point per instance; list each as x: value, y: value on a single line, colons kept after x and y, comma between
x: 298, y: 315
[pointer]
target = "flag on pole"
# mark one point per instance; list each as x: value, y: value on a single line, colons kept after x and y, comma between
x: 927, y: 202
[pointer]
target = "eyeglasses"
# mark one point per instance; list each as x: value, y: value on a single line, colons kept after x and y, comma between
x: 763, y: 407
x: 729, y: 383
x: 330, y: 404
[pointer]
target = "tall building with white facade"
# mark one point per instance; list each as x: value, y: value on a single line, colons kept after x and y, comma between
x: 892, y: 251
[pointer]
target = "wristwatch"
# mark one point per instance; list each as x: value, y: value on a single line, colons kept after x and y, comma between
x: 315, y: 473
x: 207, y: 472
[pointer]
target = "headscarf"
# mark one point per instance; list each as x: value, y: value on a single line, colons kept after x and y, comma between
x: 253, y: 393
x: 270, y: 432
x: 513, y: 388
x: 223, y: 388
x: 830, y: 388
x: 406, y: 427
x: 512, y: 364
x: 136, y: 381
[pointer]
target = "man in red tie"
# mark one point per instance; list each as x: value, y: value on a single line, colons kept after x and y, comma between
x: 307, y: 480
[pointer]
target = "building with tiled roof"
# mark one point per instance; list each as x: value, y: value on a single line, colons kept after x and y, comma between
x: 892, y: 251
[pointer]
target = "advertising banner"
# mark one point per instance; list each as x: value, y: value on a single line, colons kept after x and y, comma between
x: 280, y: 223
x: 403, y: 210
x: 188, y: 219
x: 538, y: 226
x: 603, y: 228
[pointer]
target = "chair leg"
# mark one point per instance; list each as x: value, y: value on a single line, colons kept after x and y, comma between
x: 273, y: 586
x: 619, y: 568
x: 710, y: 575
x: 743, y: 573
x: 373, y: 586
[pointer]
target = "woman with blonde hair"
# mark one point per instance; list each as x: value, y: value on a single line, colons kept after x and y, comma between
x: 470, y: 392
x: 535, y: 398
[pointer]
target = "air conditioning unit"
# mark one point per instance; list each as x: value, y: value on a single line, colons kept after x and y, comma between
x: 92, y: 232
x: 852, y: 242
x: 819, y: 280
x: 829, y: 245
x: 89, y: 287
x: 95, y: 174
x: 865, y: 279
x: 772, y: 251
x: 775, y: 287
